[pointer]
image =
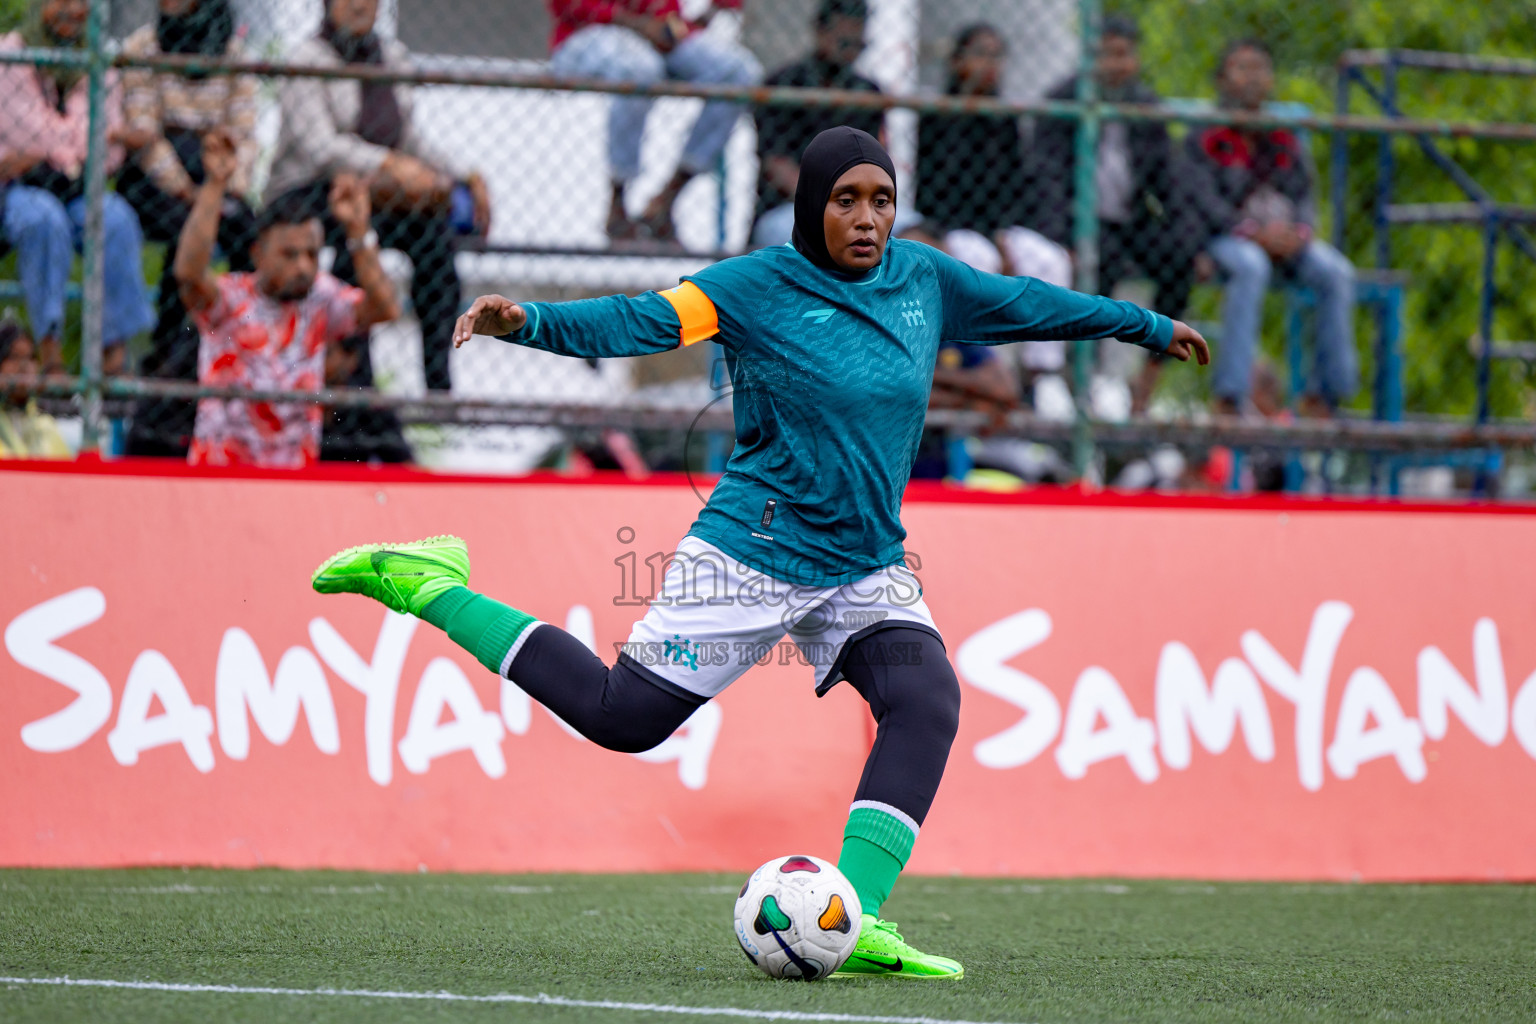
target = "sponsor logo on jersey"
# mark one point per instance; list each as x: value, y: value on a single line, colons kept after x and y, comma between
x: 821, y: 316
x: 680, y: 651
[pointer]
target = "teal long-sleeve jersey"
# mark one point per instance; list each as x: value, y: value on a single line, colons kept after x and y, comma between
x: 830, y: 376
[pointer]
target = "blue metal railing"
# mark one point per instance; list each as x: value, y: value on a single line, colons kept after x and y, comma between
x: 1498, y: 221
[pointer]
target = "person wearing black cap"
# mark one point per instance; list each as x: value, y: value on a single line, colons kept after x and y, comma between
x: 830, y: 342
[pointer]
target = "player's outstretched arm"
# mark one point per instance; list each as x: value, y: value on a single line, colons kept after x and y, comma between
x: 494, y: 315
x: 990, y: 309
x: 1186, y: 342
x: 605, y: 328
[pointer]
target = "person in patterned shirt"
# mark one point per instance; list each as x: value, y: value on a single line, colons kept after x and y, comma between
x: 269, y: 329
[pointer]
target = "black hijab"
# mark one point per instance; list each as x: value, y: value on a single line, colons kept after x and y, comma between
x: 829, y: 156
x: 206, y: 29
x: 379, y: 120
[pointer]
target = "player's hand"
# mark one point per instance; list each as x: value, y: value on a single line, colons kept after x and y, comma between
x: 493, y: 315
x: 1187, y: 340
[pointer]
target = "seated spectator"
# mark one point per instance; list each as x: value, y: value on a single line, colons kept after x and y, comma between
x: 1255, y: 190
x: 971, y: 177
x: 646, y: 41
x: 964, y: 377
x: 343, y: 126
x: 1146, y: 225
x: 165, y: 117
x: 784, y: 132
x: 970, y: 167
x: 270, y: 328
x: 25, y: 433
x: 44, y: 128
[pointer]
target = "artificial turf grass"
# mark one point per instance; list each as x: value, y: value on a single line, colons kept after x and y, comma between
x: 1033, y: 951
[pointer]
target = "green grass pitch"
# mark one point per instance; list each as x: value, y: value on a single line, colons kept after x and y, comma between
x: 1075, y: 951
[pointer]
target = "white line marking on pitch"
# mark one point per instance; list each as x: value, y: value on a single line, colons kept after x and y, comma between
x: 183, y: 889
x: 454, y: 997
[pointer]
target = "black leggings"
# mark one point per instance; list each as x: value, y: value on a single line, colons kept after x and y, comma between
x: 902, y: 672
x: 624, y: 708
x: 906, y: 678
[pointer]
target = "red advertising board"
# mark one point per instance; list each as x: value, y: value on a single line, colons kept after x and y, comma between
x: 1205, y: 688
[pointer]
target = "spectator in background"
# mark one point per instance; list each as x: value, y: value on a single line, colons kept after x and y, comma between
x: 25, y: 433
x: 44, y: 125
x: 784, y: 132
x: 971, y: 180
x: 270, y: 328
x: 646, y: 41
x: 1254, y: 188
x: 968, y: 377
x: 970, y: 167
x: 165, y: 118
x: 1145, y: 222
x: 344, y: 126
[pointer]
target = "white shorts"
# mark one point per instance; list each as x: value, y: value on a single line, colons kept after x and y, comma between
x: 715, y: 618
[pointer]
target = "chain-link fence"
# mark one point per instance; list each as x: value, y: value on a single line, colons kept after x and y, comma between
x: 1335, y: 193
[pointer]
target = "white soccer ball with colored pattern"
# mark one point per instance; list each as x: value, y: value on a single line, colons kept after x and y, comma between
x: 798, y: 917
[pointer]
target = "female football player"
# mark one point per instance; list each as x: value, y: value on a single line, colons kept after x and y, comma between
x: 830, y: 342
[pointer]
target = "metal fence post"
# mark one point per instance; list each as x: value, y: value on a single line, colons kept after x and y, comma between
x: 1490, y: 296
x: 1386, y: 168
x: 722, y: 205
x: 1085, y: 226
x: 94, y: 264
x: 1338, y: 152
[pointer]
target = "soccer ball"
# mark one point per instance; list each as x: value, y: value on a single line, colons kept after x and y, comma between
x: 798, y: 917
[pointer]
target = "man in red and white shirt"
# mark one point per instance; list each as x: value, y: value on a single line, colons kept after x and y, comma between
x: 269, y: 329
x: 647, y: 41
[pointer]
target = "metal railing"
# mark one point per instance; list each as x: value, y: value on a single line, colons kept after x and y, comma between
x: 1498, y: 220
x: 1088, y: 111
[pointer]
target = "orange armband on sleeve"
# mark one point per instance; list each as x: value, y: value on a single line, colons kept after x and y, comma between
x: 695, y: 312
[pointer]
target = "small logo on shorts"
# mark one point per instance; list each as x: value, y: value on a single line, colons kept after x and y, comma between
x: 768, y: 507
x: 680, y: 651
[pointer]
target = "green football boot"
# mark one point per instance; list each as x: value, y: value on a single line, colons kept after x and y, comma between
x: 883, y: 953
x: 402, y: 577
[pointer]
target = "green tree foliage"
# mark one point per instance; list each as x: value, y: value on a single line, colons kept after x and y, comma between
x: 1181, y: 42
x: 12, y: 14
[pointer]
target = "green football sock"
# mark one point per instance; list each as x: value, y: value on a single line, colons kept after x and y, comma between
x: 484, y: 627
x: 876, y: 845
